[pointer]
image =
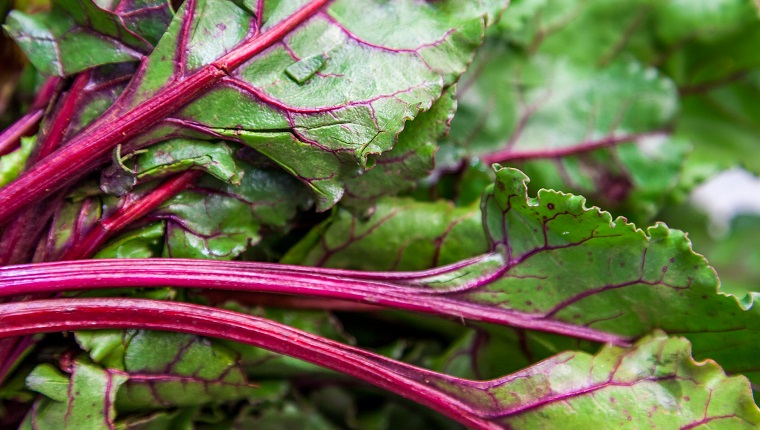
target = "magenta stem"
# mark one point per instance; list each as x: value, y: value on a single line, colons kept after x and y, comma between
x: 27, y: 124
x: 130, y: 212
x: 509, y: 154
x: 10, y: 138
x: 242, y: 276
x: 414, y: 383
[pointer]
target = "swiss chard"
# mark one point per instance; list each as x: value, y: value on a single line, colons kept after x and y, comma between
x: 228, y: 165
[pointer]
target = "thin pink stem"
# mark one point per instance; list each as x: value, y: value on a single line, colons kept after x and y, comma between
x: 508, y: 154
x: 27, y: 124
x: 53, y: 135
x: 241, y: 276
x: 127, y: 214
x: 419, y: 385
x: 9, y: 139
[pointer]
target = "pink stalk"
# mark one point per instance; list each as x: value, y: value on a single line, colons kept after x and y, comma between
x: 127, y: 214
x: 241, y: 276
x: 12, y: 349
x: 419, y: 385
x: 510, y: 154
x: 27, y: 124
x: 22, y: 235
x: 89, y: 148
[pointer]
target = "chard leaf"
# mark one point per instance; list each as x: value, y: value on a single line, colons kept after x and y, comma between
x: 167, y: 369
x: 624, y: 280
x: 82, y: 400
x: 138, y: 243
x: 195, y: 231
x: 654, y: 384
x: 322, y: 130
x: 401, y: 234
x: 77, y: 35
x: 602, y: 133
x: 286, y: 417
x: 219, y: 220
x: 723, y: 123
x: 173, y: 156
x: 707, y: 49
x: 410, y: 160
x: 233, y: 85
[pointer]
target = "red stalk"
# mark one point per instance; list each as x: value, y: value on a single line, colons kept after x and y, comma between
x: 87, y: 149
x: 179, y: 273
x: 53, y: 135
x: 91, y: 314
x: 22, y: 235
x: 509, y: 154
x: 12, y: 348
x: 127, y: 214
x: 26, y: 125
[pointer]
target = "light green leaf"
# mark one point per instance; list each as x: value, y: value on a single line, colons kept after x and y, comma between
x: 82, y: 400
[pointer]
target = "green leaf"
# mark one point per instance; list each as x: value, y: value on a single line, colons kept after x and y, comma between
x: 83, y: 400
x: 172, y: 156
x: 288, y: 416
x: 325, y: 129
x: 168, y: 369
x: 410, y: 160
x: 654, y: 384
x: 562, y: 261
x: 599, y: 132
x: 77, y: 35
x: 723, y: 124
x: 267, y: 197
x: 13, y: 163
x: 145, y: 242
x: 401, y: 234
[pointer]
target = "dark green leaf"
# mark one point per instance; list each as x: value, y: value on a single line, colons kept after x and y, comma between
x: 167, y: 369
x: 77, y: 35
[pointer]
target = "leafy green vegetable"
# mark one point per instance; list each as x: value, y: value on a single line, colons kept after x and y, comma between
x: 279, y: 196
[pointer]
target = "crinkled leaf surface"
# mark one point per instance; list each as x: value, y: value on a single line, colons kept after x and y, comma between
x: 654, y: 384
x: 410, y: 160
x: 79, y: 34
x: 401, y: 234
x: 601, y: 132
x: 219, y: 220
x: 84, y: 399
x: 167, y: 369
x: 561, y: 261
x: 172, y: 156
x: 325, y: 128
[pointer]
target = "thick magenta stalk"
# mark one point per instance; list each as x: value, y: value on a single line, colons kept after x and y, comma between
x: 414, y: 383
x: 13, y: 348
x: 254, y: 277
x: 89, y: 148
